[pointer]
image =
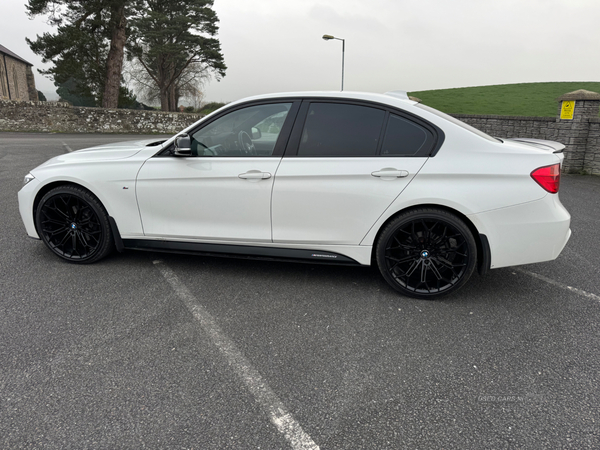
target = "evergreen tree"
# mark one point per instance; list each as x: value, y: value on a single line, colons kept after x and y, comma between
x: 71, y: 92
x: 88, y: 46
x: 168, y: 38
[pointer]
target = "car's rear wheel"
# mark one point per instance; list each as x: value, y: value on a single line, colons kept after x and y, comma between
x: 426, y: 253
x: 74, y: 225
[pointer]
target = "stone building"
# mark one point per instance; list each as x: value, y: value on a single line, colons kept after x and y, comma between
x: 16, y: 77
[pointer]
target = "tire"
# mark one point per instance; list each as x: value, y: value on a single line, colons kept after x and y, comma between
x: 74, y: 225
x: 426, y: 253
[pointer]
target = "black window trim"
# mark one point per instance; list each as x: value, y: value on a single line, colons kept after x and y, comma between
x: 282, y: 139
x: 291, y: 150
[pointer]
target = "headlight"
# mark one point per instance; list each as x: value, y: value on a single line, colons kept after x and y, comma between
x: 27, y: 179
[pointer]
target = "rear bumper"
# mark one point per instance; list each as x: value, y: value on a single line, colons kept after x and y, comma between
x: 524, y: 234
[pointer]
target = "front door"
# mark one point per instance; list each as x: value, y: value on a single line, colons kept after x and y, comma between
x: 223, y: 191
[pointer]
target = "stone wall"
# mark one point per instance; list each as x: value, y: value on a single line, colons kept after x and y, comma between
x: 64, y: 118
x: 581, y: 135
x: 592, y: 159
x: 33, y: 93
x: 513, y: 126
x: 3, y: 80
x: 547, y: 128
x: 14, y: 74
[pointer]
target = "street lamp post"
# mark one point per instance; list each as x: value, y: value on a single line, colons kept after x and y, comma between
x: 328, y: 37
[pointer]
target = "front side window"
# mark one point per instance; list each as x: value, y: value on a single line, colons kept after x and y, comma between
x: 250, y: 131
x: 335, y: 129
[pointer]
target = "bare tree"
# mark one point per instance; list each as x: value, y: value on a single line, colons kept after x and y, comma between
x: 190, y: 85
x: 174, y: 42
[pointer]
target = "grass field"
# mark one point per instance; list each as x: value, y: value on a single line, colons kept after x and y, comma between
x: 524, y: 99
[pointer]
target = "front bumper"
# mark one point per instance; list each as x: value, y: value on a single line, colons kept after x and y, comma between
x: 26, y: 198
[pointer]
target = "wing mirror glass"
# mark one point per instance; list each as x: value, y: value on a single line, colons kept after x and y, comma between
x: 183, y: 145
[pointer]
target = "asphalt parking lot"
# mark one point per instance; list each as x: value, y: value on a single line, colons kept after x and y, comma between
x: 149, y: 350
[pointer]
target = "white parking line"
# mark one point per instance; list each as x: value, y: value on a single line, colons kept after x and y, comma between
x: 281, y: 418
x: 560, y: 285
x: 69, y: 149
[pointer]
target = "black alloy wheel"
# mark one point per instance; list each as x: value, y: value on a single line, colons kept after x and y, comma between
x: 426, y: 253
x: 74, y: 225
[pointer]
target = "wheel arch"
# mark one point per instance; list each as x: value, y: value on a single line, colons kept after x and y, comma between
x: 48, y: 187
x: 481, y: 240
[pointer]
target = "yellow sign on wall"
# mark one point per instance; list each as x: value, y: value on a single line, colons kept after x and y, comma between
x: 566, y: 112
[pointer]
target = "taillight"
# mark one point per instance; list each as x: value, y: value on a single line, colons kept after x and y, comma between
x: 548, y: 177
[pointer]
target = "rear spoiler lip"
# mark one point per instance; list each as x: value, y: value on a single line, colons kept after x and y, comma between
x: 556, y: 147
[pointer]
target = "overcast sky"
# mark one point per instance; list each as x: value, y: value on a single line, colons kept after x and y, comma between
x: 412, y: 45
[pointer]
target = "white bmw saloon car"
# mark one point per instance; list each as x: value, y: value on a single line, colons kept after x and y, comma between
x: 324, y: 177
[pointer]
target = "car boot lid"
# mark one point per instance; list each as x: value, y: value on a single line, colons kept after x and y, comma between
x: 552, y: 146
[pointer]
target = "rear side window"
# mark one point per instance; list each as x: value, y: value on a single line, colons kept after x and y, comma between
x: 406, y: 138
x: 334, y: 129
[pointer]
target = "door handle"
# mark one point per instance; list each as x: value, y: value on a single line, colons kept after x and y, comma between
x: 390, y: 173
x: 254, y: 175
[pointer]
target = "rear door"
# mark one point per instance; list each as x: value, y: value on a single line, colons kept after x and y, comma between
x: 345, y: 164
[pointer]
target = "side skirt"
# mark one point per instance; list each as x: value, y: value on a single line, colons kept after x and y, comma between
x: 241, y: 251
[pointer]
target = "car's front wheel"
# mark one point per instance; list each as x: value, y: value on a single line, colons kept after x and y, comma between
x: 74, y: 225
x: 426, y: 253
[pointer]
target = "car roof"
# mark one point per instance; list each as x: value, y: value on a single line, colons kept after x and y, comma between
x: 394, y: 98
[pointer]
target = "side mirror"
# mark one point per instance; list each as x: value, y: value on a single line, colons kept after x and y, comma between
x: 256, y: 134
x: 183, y: 145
